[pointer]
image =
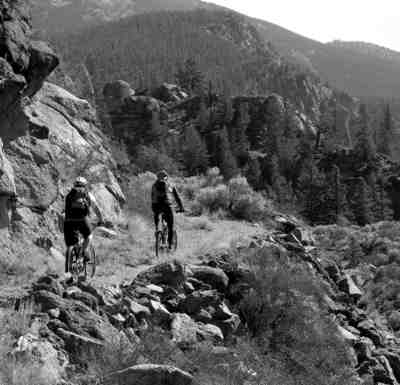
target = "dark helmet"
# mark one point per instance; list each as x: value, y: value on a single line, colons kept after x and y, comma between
x: 162, y: 174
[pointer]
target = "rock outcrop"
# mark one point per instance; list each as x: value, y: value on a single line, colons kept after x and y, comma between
x: 48, y: 136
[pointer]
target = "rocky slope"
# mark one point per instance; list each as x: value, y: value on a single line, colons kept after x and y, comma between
x: 75, y: 325
x: 48, y: 137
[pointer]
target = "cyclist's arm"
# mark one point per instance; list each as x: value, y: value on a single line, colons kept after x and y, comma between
x: 178, y: 199
x: 94, y: 205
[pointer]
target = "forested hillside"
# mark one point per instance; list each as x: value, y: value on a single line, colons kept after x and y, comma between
x: 52, y: 16
x: 362, y: 69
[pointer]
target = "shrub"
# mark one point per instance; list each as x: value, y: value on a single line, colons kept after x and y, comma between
x: 280, y: 312
x: 150, y: 159
x: 213, y: 198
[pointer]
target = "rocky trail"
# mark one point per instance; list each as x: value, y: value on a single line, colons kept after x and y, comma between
x: 193, y: 303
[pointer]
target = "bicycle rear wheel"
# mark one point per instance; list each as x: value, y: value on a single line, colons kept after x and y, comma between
x: 75, y: 265
x: 90, y: 263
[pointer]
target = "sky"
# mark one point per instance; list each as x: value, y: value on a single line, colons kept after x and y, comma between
x: 371, y: 21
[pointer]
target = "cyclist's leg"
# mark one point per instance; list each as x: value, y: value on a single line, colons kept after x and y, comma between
x: 169, y: 218
x: 70, y: 238
x: 86, y: 230
x: 156, y: 214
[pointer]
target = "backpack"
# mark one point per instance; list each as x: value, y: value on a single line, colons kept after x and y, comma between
x: 77, y: 203
x: 159, y: 193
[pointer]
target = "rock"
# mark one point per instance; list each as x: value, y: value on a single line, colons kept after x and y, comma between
x: 368, y: 329
x: 229, y: 325
x: 78, y: 318
x: 169, y: 93
x: 384, y: 373
x: 54, y: 313
x: 42, y: 62
x: 347, y: 335
x: 149, y: 374
x: 118, y: 320
x: 186, y: 332
x: 332, y: 269
x: 80, y: 347
x: 203, y: 316
x: 215, y: 277
x: 347, y: 285
x: 86, y: 298
x: 52, y: 363
x: 137, y: 309
x: 364, y: 348
x: 168, y: 273
x: 159, y: 313
x: 193, y: 303
x: 48, y: 283
x: 155, y: 288
x: 222, y: 312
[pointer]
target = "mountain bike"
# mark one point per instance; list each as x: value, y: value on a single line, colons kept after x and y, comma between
x: 161, y: 241
x: 80, y: 266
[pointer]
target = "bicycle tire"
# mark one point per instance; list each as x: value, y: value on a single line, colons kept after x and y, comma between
x: 90, y: 265
x: 174, y: 241
x: 158, y: 242
x: 75, y: 261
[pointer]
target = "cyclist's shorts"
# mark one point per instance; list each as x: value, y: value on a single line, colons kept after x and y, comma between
x: 72, y: 228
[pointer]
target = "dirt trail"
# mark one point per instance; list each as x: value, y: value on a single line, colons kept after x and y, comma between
x: 197, y: 237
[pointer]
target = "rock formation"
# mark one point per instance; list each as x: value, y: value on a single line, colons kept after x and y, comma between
x: 48, y: 136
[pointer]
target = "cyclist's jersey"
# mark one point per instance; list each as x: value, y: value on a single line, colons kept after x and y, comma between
x: 163, y: 193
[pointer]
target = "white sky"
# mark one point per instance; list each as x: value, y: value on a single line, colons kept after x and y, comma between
x: 325, y: 20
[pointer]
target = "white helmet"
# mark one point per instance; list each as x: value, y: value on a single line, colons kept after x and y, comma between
x: 80, y: 182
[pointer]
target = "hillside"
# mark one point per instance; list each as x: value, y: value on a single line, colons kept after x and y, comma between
x: 337, y: 63
x: 359, y: 68
x: 52, y: 16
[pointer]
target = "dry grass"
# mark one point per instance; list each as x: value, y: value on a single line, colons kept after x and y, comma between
x: 133, y: 249
x: 26, y: 371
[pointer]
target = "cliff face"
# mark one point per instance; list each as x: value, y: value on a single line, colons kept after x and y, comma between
x: 48, y: 136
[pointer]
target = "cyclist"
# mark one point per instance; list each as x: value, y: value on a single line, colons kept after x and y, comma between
x: 78, y: 204
x: 162, y: 195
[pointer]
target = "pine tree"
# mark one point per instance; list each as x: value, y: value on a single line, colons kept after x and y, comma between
x: 253, y: 172
x: 195, y: 154
x: 360, y: 201
x: 224, y: 157
x: 190, y: 78
x: 386, y: 134
x: 364, y: 147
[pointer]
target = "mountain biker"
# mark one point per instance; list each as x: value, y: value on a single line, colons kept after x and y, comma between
x: 162, y: 195
x: 78, y: 204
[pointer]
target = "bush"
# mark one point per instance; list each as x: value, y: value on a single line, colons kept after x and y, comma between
x: 212, y: 199
x: 150, y: 159
x: 280, y: 312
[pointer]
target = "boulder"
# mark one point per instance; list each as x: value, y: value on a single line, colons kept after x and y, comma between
x: 347, y: 285
x: 80, y: 346
x: 197, y: 300
x: 169, y: 93
x: 159, y: 313
x: 215, y: 277
x: 368, y: 329
x: 167, y: 273
x: 51, y: 363
x: 186, y: 332
x: 149, y: 374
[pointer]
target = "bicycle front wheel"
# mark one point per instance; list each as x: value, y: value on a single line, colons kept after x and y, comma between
x: 158, y: 243
x: 174, y: 245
